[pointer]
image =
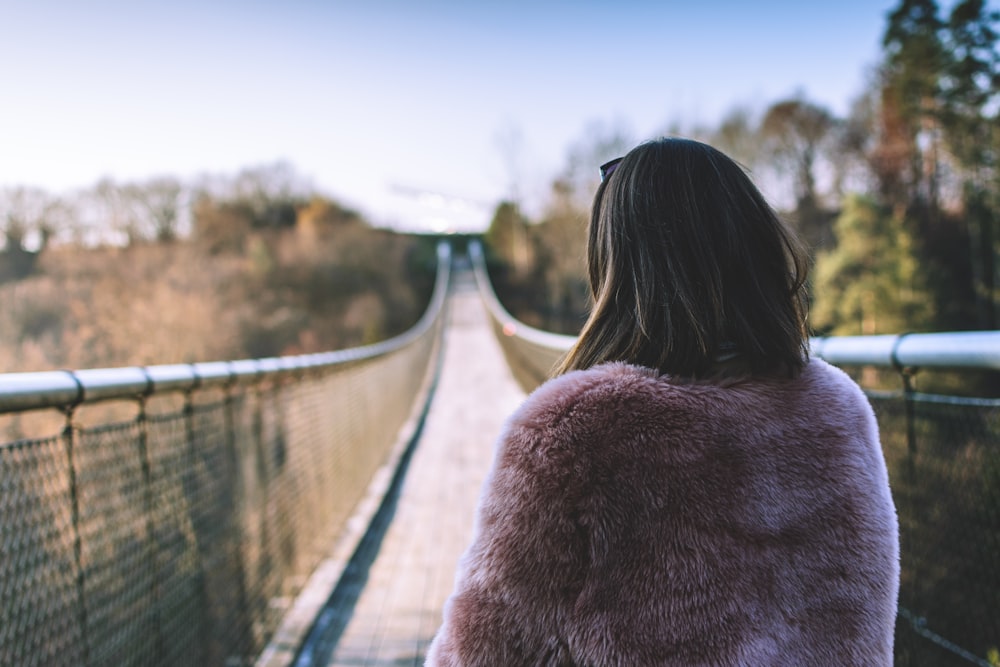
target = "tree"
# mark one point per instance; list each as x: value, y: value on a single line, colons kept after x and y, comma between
x: 159, y: 200
x: 322, y: 218
x: 507, y: 236
x: 970, y: 88
x: 272, y: 193
x: 970, y: 115
x: 871, y: 282
x: 935, y: 152
x: 28, y: 220
x: 737, y: 136
x: 221, y: 226
x: 795, y: 133
x: 508, y: 231
x: 28, y: 217
x: 560, y: 239
x: 509, y: 141
x: 915, y: 59
x: 116, y: 212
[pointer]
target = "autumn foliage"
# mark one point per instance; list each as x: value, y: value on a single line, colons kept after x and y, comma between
x: 278, y: 272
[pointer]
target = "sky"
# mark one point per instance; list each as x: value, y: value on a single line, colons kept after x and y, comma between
x: 402, y: 110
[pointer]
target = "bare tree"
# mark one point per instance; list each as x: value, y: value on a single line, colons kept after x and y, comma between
x: 738, y: 137
x: 116, y: 212
x: 510, y: 142
x: 272, y: 193
x: 159, y: 200
x: 27, y: 223
x: 794, y: 132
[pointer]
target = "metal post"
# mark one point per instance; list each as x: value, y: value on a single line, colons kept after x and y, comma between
x: 236, y: 517
x: 148, y: 510
x: 69, y: 440
x: 191, y: 492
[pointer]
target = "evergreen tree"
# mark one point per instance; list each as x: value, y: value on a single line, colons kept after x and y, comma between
x: 970, y: 116
x: 915, y: 59
x: 871, y: 282
x: 936, y: 154
x: 507, y: 237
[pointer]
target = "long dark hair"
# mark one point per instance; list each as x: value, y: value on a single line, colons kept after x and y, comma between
x: 688, y: 265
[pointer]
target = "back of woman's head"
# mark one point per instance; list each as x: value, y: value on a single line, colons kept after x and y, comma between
x: 688, y: 266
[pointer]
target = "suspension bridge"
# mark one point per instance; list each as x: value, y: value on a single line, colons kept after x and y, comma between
x: 311, y: 510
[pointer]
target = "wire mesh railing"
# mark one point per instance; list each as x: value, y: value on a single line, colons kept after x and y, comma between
x: 531, y: 353
x: 943, y: 455
x: 180, y: 534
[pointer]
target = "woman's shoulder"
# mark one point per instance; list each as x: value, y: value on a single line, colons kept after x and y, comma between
x: 593, y: 382
x: 570, y: 423
x: 602, y: 404
x: 578, y: 392
x: 829, y: 384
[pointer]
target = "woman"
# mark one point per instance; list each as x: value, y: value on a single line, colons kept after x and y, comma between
x: 692, y: 488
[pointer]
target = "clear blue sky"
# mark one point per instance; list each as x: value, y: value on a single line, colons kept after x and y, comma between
x: 361, y: 96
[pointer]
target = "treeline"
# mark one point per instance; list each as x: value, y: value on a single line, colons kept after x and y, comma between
x: 899, y: 200
x: 252, y: 265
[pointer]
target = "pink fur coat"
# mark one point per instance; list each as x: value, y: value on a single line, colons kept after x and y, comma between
x: 633, y: 520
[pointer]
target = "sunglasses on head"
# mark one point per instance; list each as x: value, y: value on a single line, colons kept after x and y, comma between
x: 609, y: 167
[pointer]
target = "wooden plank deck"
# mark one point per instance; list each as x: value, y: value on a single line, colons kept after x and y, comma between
x: 397, y: 602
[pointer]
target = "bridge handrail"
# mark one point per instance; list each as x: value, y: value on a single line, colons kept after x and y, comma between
x: 959, y: 349
x: 510, y: 324
x: 67, y: 388
x: 954, y: 349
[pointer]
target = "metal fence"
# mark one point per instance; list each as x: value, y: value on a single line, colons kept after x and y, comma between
x: 943, y: 455
x: 180, y: 534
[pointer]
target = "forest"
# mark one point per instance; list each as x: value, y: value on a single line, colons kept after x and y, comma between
x: 898, y: 200
x: 246, y: 266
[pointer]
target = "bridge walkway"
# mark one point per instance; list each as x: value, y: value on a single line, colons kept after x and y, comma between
x: 398, y: 601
